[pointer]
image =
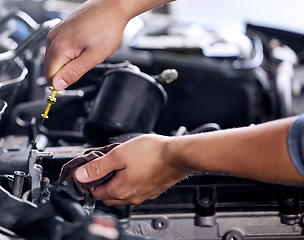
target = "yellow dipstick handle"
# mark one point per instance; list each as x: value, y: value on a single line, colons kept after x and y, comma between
x: 51, y: 100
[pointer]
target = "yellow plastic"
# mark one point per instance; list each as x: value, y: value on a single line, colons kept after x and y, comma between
x: 51, y: 101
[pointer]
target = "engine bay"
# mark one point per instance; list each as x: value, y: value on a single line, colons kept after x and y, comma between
x: 164, y: 81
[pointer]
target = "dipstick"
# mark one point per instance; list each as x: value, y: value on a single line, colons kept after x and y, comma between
x: 51, y: 100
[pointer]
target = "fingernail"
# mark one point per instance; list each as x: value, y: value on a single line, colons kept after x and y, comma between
x: 60, y: 84
x: 81, y: 174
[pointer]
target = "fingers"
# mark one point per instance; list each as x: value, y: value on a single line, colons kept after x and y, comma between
x: 112, y: 196
x: 137, y: 175
x: 57, y: 53
x: 103, y: 193
x: 65, y: 71
x: 121, y: 189
x: 68, y: 57
x: 73, y: 70
x: 97, y: 169
x: 81, y: 42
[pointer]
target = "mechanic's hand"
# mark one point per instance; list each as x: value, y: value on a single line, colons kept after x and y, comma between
x: 82, y: 41
x: 143, y: 171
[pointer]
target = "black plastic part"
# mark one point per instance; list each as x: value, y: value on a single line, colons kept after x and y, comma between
x: 127, y: 102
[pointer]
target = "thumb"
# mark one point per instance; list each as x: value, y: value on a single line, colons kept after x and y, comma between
x: 74, y: 70
x: 96, y: 169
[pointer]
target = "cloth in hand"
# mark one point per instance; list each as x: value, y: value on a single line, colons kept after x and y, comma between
x: 67, y: 173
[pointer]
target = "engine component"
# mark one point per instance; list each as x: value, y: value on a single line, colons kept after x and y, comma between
x: 128, y: 101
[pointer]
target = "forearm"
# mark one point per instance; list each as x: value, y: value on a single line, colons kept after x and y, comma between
x: 258, y: 152
x: 123, y: 10
x: 133, y: 8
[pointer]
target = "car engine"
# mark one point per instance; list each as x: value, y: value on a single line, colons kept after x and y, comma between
x: 172, y: 78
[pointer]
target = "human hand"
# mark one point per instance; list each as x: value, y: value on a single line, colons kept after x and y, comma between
x: 144, y: 170
x: 82, y: 41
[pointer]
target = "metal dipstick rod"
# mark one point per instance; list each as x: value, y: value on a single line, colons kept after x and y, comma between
x: 51, y: 100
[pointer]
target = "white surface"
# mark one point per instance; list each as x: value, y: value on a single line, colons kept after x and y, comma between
x: 282, y: 14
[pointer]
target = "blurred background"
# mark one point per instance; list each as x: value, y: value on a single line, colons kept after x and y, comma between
x: 286, y: 14
x: 273, y: 13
